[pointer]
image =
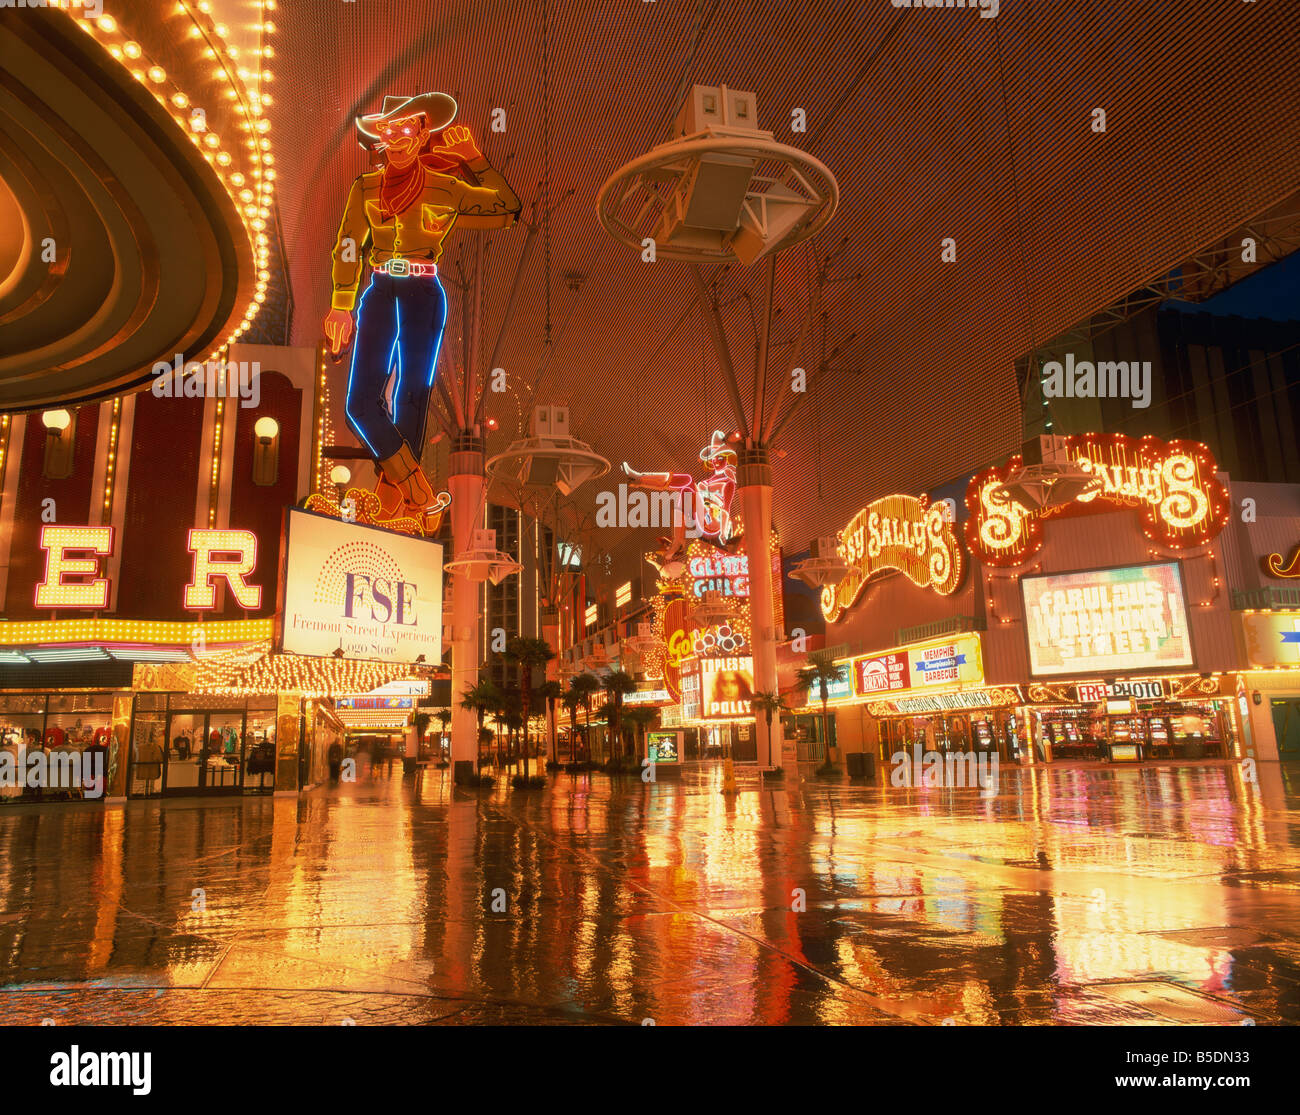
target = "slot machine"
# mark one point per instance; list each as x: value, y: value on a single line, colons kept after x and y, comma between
x: 1125, y: 747
x: 1012, y: 737
x: 1159, y: 729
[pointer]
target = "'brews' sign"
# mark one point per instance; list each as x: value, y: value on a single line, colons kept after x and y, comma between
x: 372, y: 593
x: 895, y: 532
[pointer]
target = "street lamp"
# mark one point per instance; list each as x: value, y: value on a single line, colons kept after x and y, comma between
x: 340, y: 475
x: 59, y: 443
x: 266, y: 451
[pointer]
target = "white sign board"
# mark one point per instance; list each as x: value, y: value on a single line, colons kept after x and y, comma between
x: 374, y: 593
x: 1107, y: 621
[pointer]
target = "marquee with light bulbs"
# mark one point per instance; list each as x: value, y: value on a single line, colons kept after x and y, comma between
x: 72, y: 568
x: 1172, y: 485
x: 225, y: 93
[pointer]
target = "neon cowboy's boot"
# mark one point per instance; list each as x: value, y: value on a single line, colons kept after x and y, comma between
x: 392, y: 505
x: 403, y: 471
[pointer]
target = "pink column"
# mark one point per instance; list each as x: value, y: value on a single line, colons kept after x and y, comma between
x: 551, y: 633
x: 754, y: 484
x: 465, y: 482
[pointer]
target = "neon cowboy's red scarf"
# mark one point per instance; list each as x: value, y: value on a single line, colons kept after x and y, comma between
x: 399, y: 187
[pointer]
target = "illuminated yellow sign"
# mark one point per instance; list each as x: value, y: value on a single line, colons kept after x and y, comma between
x: 1171, y: 484
x: 55, y: 591
x: 208, y: 548
x: 1271, y: 639
x: 899, y: 532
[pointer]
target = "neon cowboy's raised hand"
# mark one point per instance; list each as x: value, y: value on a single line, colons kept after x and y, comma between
x: 459, y: 142
x: 338, y: 330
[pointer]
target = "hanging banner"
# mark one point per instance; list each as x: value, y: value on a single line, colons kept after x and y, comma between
x: 1271, y: 638
x: 727, y: 687
x: 880, y: 673
x: 899, y: 532
x: 934, y: 664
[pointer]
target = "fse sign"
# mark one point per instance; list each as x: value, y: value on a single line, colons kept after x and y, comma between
x: 363, y: 591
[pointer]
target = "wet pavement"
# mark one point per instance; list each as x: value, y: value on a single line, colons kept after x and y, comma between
x: 1159, y: 895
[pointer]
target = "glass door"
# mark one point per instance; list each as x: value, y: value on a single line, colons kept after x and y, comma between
x: 205, y: 753
x: 147, y: 755
x: 184, y: 744
x: 223, y: 772
x: 259, y: 751
x: 1286, y: 723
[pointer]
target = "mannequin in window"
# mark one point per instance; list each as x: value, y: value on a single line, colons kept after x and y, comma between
x: 148, y: 763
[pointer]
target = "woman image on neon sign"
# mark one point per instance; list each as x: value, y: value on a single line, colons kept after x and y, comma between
x: 731, y: 693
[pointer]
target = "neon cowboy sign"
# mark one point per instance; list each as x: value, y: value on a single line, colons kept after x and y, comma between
x: 712, y: 495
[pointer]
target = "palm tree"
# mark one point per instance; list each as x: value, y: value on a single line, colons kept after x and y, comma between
x: 771, y: 704
x: 605, y: 714
x: 480, y: 699
x: 572, y: 700
x: 617, y: 683
x: 444, y: 718
x: 528, y: 654
x: 550, y: 692
x: 821, y: 670
x: 507, y: 709
x: 499, y: 716
x: 584, y: 685
x: 642, y: 718
x: 484, y: 740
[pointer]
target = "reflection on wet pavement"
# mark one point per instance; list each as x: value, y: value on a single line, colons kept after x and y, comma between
x: 1080, y: 896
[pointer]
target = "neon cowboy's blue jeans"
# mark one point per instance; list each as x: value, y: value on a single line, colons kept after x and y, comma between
x: 399, y: 331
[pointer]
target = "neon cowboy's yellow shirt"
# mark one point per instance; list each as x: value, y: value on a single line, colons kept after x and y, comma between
x: 418, y: 231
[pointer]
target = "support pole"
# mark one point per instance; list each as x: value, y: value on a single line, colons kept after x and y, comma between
x: 754, y: 485
x: 714, y: 320
x: 764, y: 352
x: 551, y: 633
x: 466, y: 482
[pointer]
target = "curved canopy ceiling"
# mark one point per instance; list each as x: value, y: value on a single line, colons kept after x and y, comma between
x: 119, y: 246
x: 937, y: 124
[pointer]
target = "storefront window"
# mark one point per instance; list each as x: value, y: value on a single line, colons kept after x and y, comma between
x: 225, y: 750
x: 180, y: 743
x: 259, y: 746
x: 185, y: 745
x: 75, y: 723
x: 22, y: 724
